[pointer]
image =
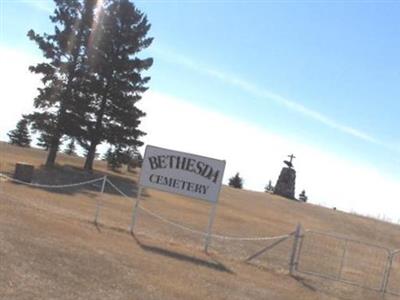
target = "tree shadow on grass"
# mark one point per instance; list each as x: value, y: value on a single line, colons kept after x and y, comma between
x: 213, y: 264
x: 68, y: 174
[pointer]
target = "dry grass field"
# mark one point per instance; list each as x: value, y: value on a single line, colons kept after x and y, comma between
x: 50, y: 248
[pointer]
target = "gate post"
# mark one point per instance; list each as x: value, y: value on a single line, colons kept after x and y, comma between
x: 386, y: 274
x: 98, y: 203
x: 342, y: 260
x: 293, y: 256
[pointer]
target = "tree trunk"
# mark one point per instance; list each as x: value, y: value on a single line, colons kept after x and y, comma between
x: 90, y: 157
x: 51, y: 157
x: 96, y: 134
x: 53, y: 149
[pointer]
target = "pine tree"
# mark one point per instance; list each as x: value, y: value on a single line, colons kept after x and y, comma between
x: 20, y: 135
x: 269, y: 188
x: 58, y: 111
x: 71, y: 148
x: 107, y: 155
x: 132, y: 158
x: 236, y: 181
x: 43, y: 141
x: 114, y: 158
x: 115, y: 83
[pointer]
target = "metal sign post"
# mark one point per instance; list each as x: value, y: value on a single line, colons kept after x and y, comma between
x: 135, y: 209
x: 210, y: 224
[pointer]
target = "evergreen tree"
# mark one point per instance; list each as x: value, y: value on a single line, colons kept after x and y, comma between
x: 114, y: 158
x: 58, y: 111
x: 115, y: 83
x: 71, y: 148
x: 302, y: 196
x: 138, y: 160
x: 236, y: 181
x: 107, y: 155
x: 132, y: 158
x: 20, y: 135
x: 269, y: 188
x: 43, y: 141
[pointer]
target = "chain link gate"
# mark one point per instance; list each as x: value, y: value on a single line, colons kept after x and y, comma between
x: 346, y: 260
x: 392, y: 285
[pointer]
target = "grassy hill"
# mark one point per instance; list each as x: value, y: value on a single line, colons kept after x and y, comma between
x: 50, y: 249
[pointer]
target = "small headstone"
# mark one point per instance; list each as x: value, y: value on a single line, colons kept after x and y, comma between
x: 23, y: 172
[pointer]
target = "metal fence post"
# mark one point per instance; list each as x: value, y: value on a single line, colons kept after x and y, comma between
x: 386, y: 274
x: 343, y: 259
x: 300, y: 246
x: 293, y: 262
x: 1, y: 181
x: 135, y: 209
x: 2, y: 178
x: 98, y: 203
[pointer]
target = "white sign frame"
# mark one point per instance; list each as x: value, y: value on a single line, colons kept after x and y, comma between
x: 181, y: 173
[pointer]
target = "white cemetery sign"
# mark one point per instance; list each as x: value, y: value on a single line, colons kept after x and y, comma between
x: 181, y: 173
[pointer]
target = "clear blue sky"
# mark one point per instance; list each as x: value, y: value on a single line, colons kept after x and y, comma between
x: 339, y: 59
x: 322, y: 73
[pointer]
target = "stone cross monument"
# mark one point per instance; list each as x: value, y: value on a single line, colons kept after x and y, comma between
x: 285, y: 185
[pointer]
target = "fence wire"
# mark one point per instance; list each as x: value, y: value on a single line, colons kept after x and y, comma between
x: 113, y: 208
x: 76, y: 199
x: 317, y: 253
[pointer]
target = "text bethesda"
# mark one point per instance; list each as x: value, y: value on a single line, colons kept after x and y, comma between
x: 182, y: 163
